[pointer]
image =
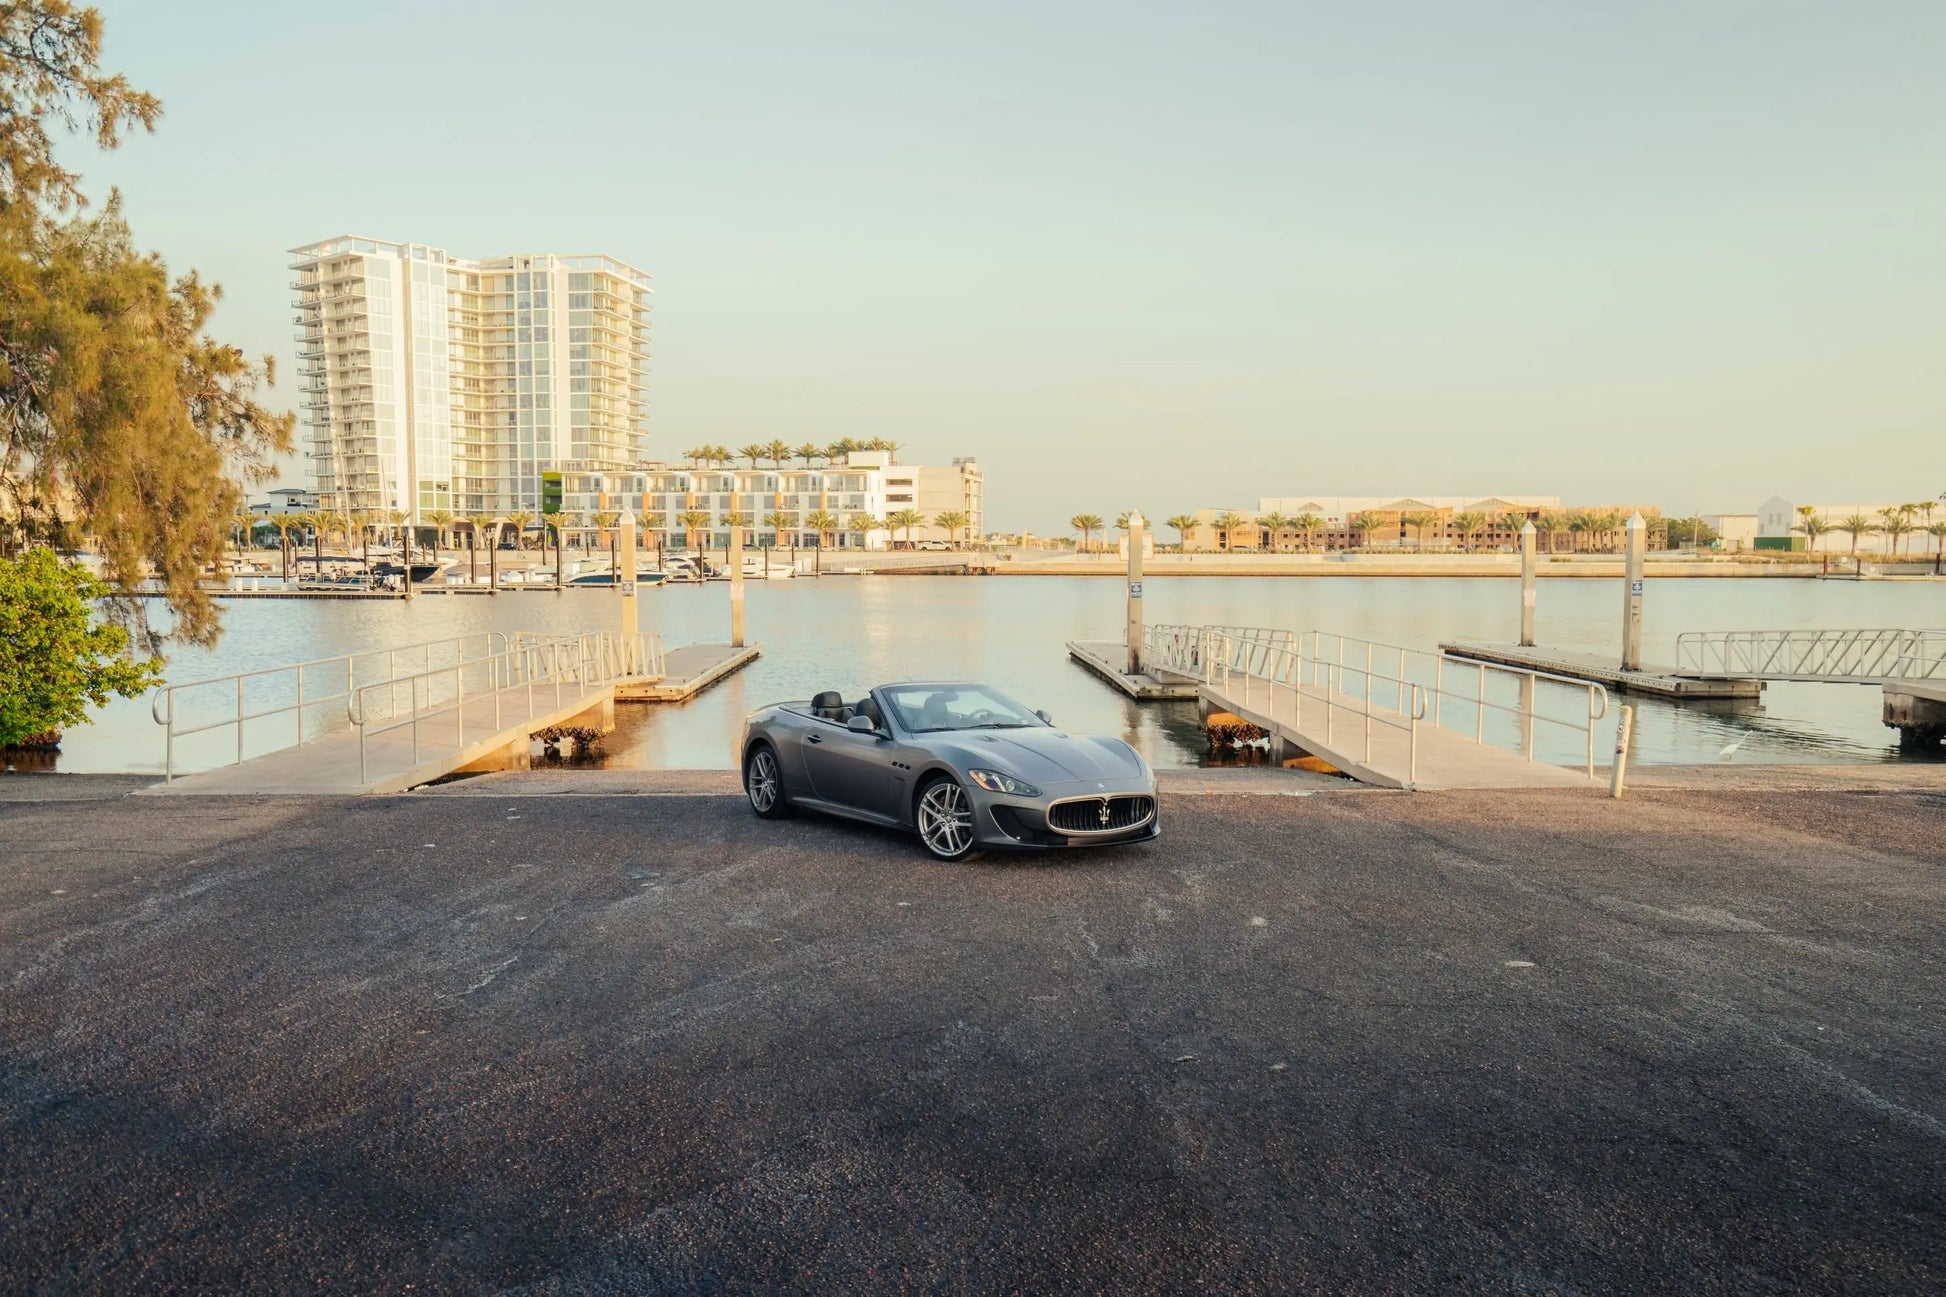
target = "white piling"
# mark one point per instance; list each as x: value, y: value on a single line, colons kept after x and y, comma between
x: 1136, y: 530
x: 624, y: 576
x: 1624, y: 731
x: 1527, y: 584
x: 1638, y: 544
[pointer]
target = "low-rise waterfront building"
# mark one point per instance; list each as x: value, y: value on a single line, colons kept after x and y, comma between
x: 782, y: 505
x: 1781, y: 526
x: 286, y: 499
x: 1413, y: 523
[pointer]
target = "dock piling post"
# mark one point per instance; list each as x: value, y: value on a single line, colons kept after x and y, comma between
x: 736, y: 582
x: 1136, y: 526
x: 1624, y: 730
x: 624, y: 577
x: 1637, y: 545
x: 1527, y: 584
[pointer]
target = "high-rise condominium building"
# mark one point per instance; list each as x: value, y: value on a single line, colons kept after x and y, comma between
x: 470, y: 378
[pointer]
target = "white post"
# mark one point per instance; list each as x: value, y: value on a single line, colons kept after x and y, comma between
x: 1624, y: 729
x: 736, y: 578
x: 1527, y: 584
x: 1638, y: 543
x: 1136, y: 531
x: 625, y: 571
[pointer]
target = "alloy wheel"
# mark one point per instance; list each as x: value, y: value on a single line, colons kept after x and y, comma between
x: 946, y: 820
x: 761, y: 783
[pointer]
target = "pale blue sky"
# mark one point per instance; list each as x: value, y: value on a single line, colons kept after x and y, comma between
x: 1168, y: 255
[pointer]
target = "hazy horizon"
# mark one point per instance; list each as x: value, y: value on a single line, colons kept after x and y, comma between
x: 1179, y: 257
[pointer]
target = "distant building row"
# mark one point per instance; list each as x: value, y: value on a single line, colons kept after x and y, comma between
x: 1781, y: 524
x: 1412, y: 522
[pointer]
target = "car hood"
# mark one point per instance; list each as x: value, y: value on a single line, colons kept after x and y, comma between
x: 1048, y: 756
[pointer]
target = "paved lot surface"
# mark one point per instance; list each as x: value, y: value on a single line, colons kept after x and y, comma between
x: 1355, y: 1041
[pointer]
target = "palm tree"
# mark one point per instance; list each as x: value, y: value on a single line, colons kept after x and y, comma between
x: 1419, y: 522
x: 1579, y: 524
x: 1182, y: 522
x: 440, y: 519
x: 838, y: 449
x: 824, y: 523
x: 692, y: 521
x: 777, y: 451
x: 906, y: 519
x: 1308, y: 526
x: 1469, y: 524
x: 1855, y: 525
x: 1895, y: 522
x: 1225, y: 523
x: 1811, y: 525
x: 1087, y: 524
x: 952, y: 520
x: 891, y: 449
x: 518, y: 520
x: 1275, y: 524
x: 864, y: 524
x: 1937, y: 531
x: 1364, y: 524
x: 753, y: 452
x: 779, y: 523
x: 810, y: 451
x: 285, y: 523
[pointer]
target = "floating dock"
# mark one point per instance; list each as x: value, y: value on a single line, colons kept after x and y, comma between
x: 688, y: 671
x: 1651, y: 681
x: 1106, y: 659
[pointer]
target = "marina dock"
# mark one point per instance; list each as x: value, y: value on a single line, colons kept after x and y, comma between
x: 1651, y: 681
x: 1106, y: 659
x: 688, y: 671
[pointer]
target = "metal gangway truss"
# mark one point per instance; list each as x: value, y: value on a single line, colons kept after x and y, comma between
x: 1389, y: 715
x: 384, y: 719
x: 1872, y: 656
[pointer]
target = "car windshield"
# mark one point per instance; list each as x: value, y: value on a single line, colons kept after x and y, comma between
x: 928, y: 709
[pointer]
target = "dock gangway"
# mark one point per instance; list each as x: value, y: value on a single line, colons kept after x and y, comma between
x: 360, y: 720
x: 1391, y: 715
x: 1870, y: 656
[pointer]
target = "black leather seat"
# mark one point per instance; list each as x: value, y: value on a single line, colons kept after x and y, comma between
x: 868, y: 708
x: 830, y: 706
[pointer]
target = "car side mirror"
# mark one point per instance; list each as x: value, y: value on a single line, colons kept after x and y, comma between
x: 861, y: 725
x: 1044, y: 716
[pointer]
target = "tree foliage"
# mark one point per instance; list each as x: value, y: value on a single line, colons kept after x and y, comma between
x: 54, y: 659
x: 121, y: 419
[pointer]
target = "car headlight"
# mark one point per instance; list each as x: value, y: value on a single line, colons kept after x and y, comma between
x: 995, y: 782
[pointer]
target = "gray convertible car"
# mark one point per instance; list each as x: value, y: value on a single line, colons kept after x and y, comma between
x: 960, y: 764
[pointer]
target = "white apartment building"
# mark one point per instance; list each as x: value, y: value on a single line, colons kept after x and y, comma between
x: 432, y: 382
x: 780, y: 502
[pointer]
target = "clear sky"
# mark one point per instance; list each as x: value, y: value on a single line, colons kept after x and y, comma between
x: 1158, y: 254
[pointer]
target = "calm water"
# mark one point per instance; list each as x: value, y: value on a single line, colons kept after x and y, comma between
x: 847, y: 633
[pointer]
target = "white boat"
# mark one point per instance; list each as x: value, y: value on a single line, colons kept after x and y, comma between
x: 766, y: 567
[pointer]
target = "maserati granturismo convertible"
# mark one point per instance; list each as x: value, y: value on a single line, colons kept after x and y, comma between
x: 960, y: 764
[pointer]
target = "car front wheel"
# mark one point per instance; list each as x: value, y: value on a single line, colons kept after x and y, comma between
x: 945, y: 820
x: 763, y: 783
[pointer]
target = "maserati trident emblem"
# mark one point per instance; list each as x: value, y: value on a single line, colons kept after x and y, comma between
x: 1104, y: 812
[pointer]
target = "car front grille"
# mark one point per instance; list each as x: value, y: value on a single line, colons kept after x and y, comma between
x: 1085, y: 814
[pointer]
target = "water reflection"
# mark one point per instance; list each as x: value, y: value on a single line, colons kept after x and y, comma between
x: 847, y: 633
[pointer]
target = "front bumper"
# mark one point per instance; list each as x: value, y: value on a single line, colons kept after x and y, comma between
x: 1003, y: 822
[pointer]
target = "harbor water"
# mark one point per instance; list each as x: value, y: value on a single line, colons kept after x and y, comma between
x: 851, y: 632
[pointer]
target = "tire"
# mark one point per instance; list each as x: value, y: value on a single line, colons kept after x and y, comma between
x: 943, y: 815
x: 763, y: 783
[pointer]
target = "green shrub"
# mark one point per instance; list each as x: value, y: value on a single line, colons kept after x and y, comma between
x: 55, y: 659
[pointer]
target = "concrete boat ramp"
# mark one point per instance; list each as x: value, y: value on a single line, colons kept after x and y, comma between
x: 466, y: 712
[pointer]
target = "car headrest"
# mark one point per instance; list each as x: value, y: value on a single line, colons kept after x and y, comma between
x: 828, y: 704
x: 868, y: 706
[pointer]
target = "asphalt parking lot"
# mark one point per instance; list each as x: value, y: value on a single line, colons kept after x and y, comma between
x: 1357, y: 1041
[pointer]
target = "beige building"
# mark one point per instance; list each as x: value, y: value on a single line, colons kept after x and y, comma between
x: 435, y: 382
x: 780, y: 502
x: 1414, y: 523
